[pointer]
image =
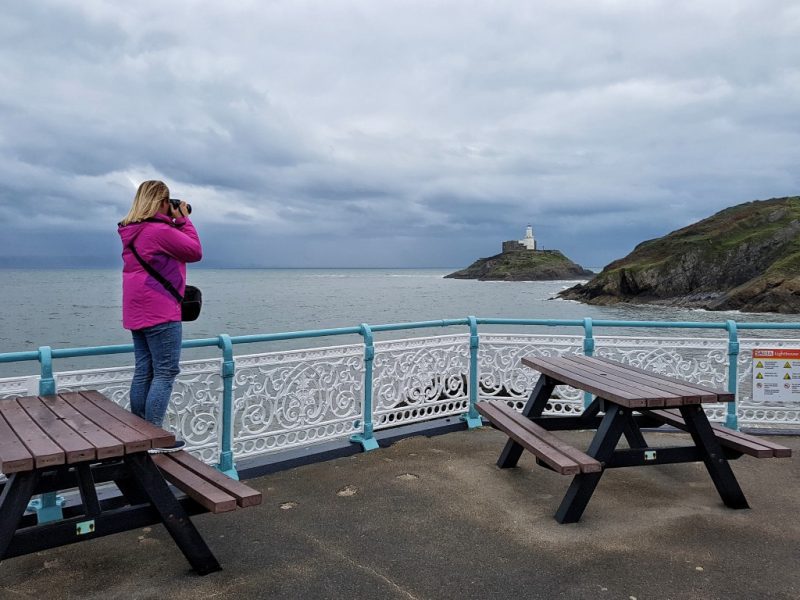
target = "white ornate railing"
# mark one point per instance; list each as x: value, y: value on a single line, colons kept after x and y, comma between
x: 288, y: 399
x: 11, y: 387
x: 502, y: 376
x: 419, y: 379
x: 292, y: 399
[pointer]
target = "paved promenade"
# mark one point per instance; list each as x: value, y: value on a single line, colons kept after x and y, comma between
x: 433, y: 518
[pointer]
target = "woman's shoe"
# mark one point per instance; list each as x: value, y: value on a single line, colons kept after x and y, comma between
x: 177, y: 446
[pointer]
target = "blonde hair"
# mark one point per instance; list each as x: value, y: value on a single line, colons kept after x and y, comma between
x: 147, y: 202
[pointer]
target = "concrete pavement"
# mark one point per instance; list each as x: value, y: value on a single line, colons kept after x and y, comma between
x: 433, y: 518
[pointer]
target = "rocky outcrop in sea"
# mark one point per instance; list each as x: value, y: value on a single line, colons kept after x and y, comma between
x: 523, y: 265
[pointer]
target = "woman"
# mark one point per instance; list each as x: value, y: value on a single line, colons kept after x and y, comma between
x: 163, y: 237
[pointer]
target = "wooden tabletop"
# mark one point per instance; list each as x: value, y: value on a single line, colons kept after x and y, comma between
x: 622, y: 384
x: 43, y: 431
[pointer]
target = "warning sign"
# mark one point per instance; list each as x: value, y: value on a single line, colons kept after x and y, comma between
x: 776, y: 375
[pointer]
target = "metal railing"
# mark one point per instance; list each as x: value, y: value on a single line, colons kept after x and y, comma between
x: 462, y: 388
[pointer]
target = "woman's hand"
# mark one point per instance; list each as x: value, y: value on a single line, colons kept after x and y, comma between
x: 181, y: 211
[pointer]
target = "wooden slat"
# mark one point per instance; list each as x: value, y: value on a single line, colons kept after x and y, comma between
x: 586, y: 462
x: 558, y: 461
x: 656, y: 394
x: 743, y: 446
x: 558, y: 367
x: 675, y: 388
x: 706, y: 394
x: 132, y: 440
x: 45, y: 451
x: 76, y: 449
x: 741, y: 442
x: 203, y: 492
x: 778, y: 451
x: 14, y: 456
x: 104, y: 443
x: 244, y: 494
x: 157, y: 436
x: 546, y: 453
x: 567, y: 375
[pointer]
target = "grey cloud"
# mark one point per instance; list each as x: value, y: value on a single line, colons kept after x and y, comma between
x: 445, y: 126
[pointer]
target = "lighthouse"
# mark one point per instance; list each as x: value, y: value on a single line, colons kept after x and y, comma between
x: 528, y: 241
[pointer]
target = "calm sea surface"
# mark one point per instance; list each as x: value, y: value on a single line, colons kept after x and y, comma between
x: 72, y: 308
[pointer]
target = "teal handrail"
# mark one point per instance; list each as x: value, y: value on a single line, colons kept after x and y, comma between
x: 367, y: 436
x: 588, y: 350
x: 473, y: 418
x: 731, y: 418
x: 226, y: 443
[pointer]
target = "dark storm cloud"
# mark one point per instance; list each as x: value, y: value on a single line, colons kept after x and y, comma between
x: 392, y: 133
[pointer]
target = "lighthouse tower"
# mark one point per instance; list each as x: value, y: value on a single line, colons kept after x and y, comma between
x: 529, y: 242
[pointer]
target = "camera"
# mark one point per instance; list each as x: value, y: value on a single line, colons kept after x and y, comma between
x: 176, y: 204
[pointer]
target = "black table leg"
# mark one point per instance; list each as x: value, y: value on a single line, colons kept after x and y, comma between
x: 87, y: 489
x: 13, y: 502
x: 721, y: 474
x: 131, y: 490
x: 535, y: 406
x: 602, y: 447
x: 632, y: 432
x: 186, y: 536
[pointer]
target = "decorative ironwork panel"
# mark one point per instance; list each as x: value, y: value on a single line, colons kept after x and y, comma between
x: 194, y: 411
x: 699, y: 360
x: 501, y: 376
x: 752, y: 412
x: 19, y: 386
x: 418, y: 379
x: 296, y: 398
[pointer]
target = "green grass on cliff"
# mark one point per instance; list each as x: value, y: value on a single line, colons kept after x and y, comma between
x: 755, y: 222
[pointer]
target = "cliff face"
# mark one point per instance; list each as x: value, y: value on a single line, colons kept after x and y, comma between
x: 746, y: 257
x: 525, y: 265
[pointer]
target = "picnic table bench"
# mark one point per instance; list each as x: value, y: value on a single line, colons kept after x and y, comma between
x: 82, y: 440
x: 629, y: 399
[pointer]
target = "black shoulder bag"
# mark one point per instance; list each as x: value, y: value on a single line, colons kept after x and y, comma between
x: 190, y: 302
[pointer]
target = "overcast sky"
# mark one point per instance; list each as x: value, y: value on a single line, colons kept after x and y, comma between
x: 391, y: 134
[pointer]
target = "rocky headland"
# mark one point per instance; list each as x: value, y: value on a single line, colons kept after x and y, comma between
x: 523, y: 265
x: 746, y: 258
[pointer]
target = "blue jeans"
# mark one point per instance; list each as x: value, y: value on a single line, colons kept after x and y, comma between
x: 157, y: 351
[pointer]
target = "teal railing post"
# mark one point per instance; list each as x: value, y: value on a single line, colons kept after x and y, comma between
x: 472, y: 418
x: 48, y: 506
x: 366, y: 438
x: 732, y: 418
x: 588, y: 350
x: 226, y: 446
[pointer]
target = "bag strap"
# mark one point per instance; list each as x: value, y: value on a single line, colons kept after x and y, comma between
x: 156, y: 275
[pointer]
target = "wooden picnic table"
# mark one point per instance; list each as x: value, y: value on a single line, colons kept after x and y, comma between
x: 82, y: 439
x: 629, y: 399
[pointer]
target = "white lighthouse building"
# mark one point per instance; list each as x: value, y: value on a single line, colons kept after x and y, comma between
x: 528, y: 241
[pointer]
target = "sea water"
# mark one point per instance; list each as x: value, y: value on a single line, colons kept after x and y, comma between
x: 82, y: 307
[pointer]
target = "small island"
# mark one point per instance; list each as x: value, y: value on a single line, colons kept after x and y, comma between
x: 521, y: 260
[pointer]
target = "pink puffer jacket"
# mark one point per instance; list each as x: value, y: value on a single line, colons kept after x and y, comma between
x: 167, y: 246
